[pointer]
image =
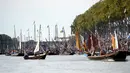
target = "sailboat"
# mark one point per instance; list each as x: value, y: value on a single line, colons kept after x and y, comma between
x: 7, y: 51
x: 117, y: 53
x: 36, y: 50
x: 20, y: 49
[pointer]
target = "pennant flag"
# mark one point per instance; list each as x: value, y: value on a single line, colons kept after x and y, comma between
x: 63, y: 30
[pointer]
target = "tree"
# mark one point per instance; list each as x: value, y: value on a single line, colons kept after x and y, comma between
x: 99, y: 13
x: 5, y: 42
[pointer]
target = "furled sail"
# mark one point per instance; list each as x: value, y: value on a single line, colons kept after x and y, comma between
x: 19, y: 45
x: 77, y: 41
x: 116, y: 41
x: 113, y: 41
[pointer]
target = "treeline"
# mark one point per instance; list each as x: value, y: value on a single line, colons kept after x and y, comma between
x: 7, y: 42
x: 101, y: 13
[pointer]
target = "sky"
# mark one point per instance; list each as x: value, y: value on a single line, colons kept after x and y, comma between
x: 22, y: 14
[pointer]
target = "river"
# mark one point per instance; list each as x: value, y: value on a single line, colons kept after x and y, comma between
x: 62, y: 64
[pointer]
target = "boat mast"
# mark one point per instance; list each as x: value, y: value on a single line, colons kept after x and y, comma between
x: 39, y: 35
x: 38, y: 42
x: 20, y: 39
x: 14, y: 38
x: 48, y: 35
x: 14, y: 32
x: 56, y: 32
x: 34, y: 31
x: 28, y: 35
x: 39, y: 32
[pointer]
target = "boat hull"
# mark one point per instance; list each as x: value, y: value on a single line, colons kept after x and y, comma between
x: 42, y: 56
x: 117, y: 56
x: 101, y: 56
x: 7, y: 54
x: 128, y: 53
x: 20, y: 54
x: 120, y: 56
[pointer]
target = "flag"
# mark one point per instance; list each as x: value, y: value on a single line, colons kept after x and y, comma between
x: 48, y: 26
x: 63, y: 30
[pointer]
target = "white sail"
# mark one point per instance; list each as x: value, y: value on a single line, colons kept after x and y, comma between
x: 116, y: 41
x: 19, y: 45
x: 20, y: 40
x: 82, y: 39
x: 37, y: 47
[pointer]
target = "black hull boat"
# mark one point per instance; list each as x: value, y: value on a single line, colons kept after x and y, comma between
x: 41, y: 56
x: 30, y: 53
x: 128, y: 52
x: 36, y: 52
x: 20, y: 54
x: 120, y: 56
x: 116, y: 56
x: 17, y: 54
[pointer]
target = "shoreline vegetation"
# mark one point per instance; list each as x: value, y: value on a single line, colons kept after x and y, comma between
x: 8, y: 44
x: 101, y: 14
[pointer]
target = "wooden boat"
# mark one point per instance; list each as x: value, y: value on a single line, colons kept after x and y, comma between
x: 36, y: 50
x: 20, y: 53
x: 41, y: 56
x: 7, y: 54
x: 120, y: 56
x: 19, y: 50
x: 14, y: 54
x: 117, y: 55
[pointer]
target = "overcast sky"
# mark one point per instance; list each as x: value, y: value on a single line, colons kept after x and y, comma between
x: 22, y: 14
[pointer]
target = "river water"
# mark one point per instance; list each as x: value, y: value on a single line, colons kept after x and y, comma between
x: 62, y: 64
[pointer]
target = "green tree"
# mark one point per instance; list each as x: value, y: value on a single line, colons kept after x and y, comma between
x: 99, y: 12
x: 5, y: 42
